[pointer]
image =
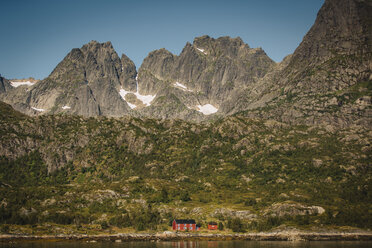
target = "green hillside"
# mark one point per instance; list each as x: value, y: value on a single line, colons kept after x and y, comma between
x: 248, y: 174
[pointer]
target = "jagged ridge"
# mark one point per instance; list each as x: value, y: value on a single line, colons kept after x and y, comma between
x: 312, y: 86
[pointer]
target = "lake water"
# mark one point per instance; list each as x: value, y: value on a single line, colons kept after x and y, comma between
x: 195, y: 244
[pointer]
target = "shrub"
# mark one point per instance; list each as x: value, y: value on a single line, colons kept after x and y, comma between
x: 220, y: 226
x: 250, y: 202
x: 235, y: 225
x: 4, y: 229
x: 185, y: 196
x: 122, y: 220
x: 104, y: 225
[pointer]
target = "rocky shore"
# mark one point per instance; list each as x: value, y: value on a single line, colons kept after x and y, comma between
x: 171, y: 236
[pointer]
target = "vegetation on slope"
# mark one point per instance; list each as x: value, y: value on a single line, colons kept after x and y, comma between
x: 131, y: 173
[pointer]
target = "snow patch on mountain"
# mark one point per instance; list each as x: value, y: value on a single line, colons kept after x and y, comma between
x: 132, y: 106
x: 123, y: 93
x: 38, y: 109
x: 201, y: 50
x: 15, y: 84
x: 207, y: 109
x: 181, y: 86
x: 145, y: 99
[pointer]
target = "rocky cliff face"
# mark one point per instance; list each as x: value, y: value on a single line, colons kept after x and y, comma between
x: 209, y: 72
x: 326, y: 81
x: 86, y: 82
x: 4, y: 85
x: 93, y: 81
x: 328, y: 78
x: 340, y: 40
x: 341, y: 27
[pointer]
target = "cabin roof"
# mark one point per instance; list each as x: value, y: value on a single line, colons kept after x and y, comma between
x: 184, y: 221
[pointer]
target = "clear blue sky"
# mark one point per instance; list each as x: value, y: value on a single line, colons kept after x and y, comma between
x: 35, y: 35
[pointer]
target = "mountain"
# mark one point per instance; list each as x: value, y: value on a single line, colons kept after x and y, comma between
x: 86, y: 82
x: 93, y: 81
x: 206, y: 74
x: 327, y: 81
x: 5, y: 85
x: 328, y: 78
x: 341, y: 28
x: 289, y: 146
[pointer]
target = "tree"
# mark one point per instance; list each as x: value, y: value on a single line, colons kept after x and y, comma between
x: 4, y: 228
x: 104, y: 225
x: 236, y: 225
x: 164, y: 195
x: 140, y: 226
x: 220, y: 226
x: 250, y: 202
x: 185, y: 196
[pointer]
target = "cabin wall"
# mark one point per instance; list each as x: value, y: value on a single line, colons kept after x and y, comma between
x: 183, y: 227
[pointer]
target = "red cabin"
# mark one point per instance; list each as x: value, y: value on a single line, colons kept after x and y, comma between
x: 183, y: 225
x: 212, y: 226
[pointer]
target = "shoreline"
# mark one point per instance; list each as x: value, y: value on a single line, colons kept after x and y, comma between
x: 127, y: 237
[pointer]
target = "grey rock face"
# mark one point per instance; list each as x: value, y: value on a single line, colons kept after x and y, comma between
x: 86, y: 82
x: 4, y: 85
x: 17, y: 97
x: 319, y: 84
x: 341, y: 27
x: 128, y: 74
x: 332, y: 63
x: 340, y: 41
x: 210, y: 71
x: 155, y: 71
x: 292, y: 209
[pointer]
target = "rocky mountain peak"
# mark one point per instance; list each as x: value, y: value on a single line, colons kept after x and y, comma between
x: 4, y: 85
x: 160, y: 52
x: 86, y: 64
x: 341, y: 27
x: 203, y: 42
x: 86, y: 82
x: 158, y: 65
x: 219, y: 76
x: 335, y: 53
x: 95, y: 45
x: 159, y: 61
x: 328, y: 77
x: 205, y: 75
x: 128, y: 74
x: 206, y: 39
x: 225, y: 45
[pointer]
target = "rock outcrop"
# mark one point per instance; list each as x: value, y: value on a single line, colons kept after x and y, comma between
x: 86, y: 82
x: 292, y: 209
x: 4, y: 85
